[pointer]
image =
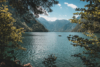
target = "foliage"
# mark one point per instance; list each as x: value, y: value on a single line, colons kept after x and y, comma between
x: 37, y: 6
x: 50, y: 61
x: 9, y: 35
x: 91, y: 56
x: 29, y: 24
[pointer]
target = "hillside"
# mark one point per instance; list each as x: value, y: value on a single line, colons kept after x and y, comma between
x: 57, y: 26
x: 68, y: 27
x: 29, y: 25
x: 78, y: 26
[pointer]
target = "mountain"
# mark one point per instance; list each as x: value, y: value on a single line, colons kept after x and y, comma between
x: 78, y: 26
x: 29, y: 25
x: 44, y: 22
x: 67, y: 27
x: 57, y: 26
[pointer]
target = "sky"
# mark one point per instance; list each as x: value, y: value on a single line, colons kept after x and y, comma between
x: 64, y: 10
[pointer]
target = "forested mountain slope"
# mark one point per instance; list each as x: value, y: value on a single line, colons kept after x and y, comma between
x: 31, y: 25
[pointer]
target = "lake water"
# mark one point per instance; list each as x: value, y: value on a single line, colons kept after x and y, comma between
x: 41, y: 44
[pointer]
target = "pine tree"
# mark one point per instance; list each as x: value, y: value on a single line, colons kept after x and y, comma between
x: 91, y: 15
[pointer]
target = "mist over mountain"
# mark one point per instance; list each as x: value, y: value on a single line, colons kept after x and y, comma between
x: 57, y: 25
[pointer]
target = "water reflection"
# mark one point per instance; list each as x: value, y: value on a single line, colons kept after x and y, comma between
x: 42, y: 44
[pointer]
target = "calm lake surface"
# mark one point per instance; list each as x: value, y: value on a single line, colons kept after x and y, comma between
x: 41, y: 44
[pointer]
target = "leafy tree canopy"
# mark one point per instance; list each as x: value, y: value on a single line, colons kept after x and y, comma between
x: 91, y: 15
x: 36, y: 6
x: 9, y: 35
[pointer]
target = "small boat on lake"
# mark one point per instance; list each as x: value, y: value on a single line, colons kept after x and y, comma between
x: 59, y: 35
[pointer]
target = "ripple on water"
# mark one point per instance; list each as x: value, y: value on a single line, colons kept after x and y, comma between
x: 39, y: 47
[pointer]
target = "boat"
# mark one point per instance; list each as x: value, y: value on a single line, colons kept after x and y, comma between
x: 59, y: 35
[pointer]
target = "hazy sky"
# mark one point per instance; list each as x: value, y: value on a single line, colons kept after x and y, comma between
x: 64, y: 10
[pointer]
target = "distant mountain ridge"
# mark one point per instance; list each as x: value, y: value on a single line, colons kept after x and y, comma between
x: 57, y: 26
x: 68, y: 27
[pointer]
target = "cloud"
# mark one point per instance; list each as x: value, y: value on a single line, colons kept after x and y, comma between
x: 59, y: 5
x: 48, y: 18
x: 76, y: 16
x: 61, y: 19
x: 59, y: 15
x: 71, y: 5
x: 51, y: 18
x: 65, y: 15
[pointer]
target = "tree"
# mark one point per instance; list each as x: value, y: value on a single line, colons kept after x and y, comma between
x: 50, y: 61
x: 91, y: 15
x: 36, y: 6
x: 9, y: 35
